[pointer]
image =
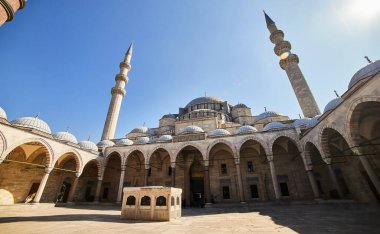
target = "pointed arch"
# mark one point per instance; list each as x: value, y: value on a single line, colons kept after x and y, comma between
x: 186, y: 144
x: 221, y: 141
x: 290, y: 136
x: 3, y: 144
x: 253, y: 138
x: 44, y: 143
x: 160, y: 146
x: 65, y: 155
x: 98, y: 166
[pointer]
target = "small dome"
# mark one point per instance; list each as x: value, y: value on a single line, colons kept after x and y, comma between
x: 33, y: 123
x: 300, y: 123
x: 142, y: 140
x: 3, y: 115
x: 165, y: 138
x: 332, y: 104
x: 267, y: 114
x: 219, y: 132
x: 124, y: 141
x: 246, y: 129
x: 105, y: 143
x: 88, y: 145
x: 140, y: 130
x: 240, y: 105
x: 151, y: 131
x: 65, y: 137
x: 365, y: 72
x: 313, y: 121
x: 152, y: 140
x: 273, y: 126
x: 168, y: 116
x: 205, y: 100
x: 191, y: 129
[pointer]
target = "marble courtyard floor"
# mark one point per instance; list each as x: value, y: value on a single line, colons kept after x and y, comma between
x: 274, y: 218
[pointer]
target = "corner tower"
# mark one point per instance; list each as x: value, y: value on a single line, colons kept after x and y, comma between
x: 289, y: 63
x: 117, y: 92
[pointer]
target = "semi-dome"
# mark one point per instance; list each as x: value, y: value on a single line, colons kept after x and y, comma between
x: 124, y: 141
x: 219, y: 132
x: 165, y: 138
x: 3, y: 115
x: 33, y: 123
x: 273, y: 126
x: 367, y: 71
x: 65, y: 137
x: 246, y: 129
x: 205, y: 99
x: 240, y: 105
x: 313, y: 121
x: 191, y: 129
x: 300, y: 123
x: 142, y: 140
x: 168, y: 116
x: 141, y: 129
x: 88, y: 145
x: 105, y: 143
x: 267, y: 114
x: 332, y: 104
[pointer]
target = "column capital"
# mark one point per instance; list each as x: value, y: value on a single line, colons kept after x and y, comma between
x: 270, y: 158
x: 48, y: 170
x: 100, y: 178
x: 172, y: 164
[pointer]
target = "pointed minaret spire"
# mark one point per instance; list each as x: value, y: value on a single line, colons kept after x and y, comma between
x: 128, y: 55
x: 268, y: 20
x: 289, y: 62
x: 117, y: 92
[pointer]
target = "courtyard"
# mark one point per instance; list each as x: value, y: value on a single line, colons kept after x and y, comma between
x: 251, y: 218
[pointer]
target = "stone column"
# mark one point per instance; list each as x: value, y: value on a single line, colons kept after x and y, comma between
x: 313, y: 183
x: 73, y: 188
x: 240, y: 183
x: 370, y: 172
x: 334, y: 180
x: 173, y: 174
x: 187, y: 185
x: 41, y: 188
x: 121, y: 182
x: 274, y: 178
x: 97, y: 191
x: 207, y: 185
x: 146, y: 176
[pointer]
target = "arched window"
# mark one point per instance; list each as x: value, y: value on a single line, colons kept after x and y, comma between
x: 161, y: 201
x: 145, y: 201
x: 131, y: 201
x: 177, y: 201
x: 172, y: 201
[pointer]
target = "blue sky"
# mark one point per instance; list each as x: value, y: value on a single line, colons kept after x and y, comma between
x: 59, y: 58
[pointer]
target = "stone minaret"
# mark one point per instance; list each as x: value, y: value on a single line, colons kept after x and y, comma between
x: 289, y: 62
x: 118, y: 92
x: 8, y: 8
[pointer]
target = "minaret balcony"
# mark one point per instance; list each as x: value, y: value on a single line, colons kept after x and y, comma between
x: 121, y: 77
x: 276, y: 36
x: 282, y: 47
x: 125, y: 65
x: 291, y: 59
x: 117, y: 90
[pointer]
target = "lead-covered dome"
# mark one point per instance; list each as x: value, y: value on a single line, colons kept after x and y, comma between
x: 165, y: 138
x: 273, y: 126
x: 32, y: 123
x: 168, y: 116
x: 366, y: 72
x: 300, y: 123
x: 246, y: 129
x: 65, y: 137
x: 205, y: 99
x: 267, y: 114
x: 124, y: 141
x: 88, y: 145
x: 240, y: 105
x: 3, y: 115
x: 141, y: 129
x: 313, y: 121
x: 142, y: 140
x: 332, y: 104
x: 191, y: 129
x: 219, y: 132
x: 105, y: 143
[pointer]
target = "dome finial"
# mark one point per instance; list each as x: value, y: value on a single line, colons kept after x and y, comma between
x: 37, y: 115
x: 144, y: 124
x: 89, y: 137
x: 265, y: 108
x: 67, y: 129
x: 300, y: 116
x: 336, y: 93
x: 368, y: 60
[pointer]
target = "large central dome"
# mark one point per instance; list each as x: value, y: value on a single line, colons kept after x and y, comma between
x: 205, y: 100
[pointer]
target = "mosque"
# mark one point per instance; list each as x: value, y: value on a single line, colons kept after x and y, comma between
x: 216, y: 151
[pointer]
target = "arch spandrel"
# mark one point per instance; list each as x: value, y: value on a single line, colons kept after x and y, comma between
x: 200, y: 148
x: 291, y: 136
x: 98, y: 166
